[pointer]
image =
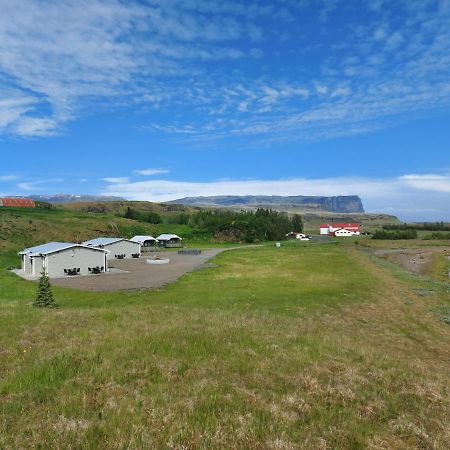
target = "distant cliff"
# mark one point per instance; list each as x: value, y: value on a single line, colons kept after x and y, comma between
x: 340, y: 204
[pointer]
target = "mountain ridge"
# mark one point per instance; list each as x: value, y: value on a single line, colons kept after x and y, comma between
x: 72, y: 198
x: 339, y: 204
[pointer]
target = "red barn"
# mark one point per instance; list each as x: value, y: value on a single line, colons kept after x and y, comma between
x: 17, y: 202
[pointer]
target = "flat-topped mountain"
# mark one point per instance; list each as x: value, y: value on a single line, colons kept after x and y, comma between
x: 340, y: 204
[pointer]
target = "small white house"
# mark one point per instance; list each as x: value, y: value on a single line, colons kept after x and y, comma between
x: 118, y: 248
x: 56, y: 258
x: 145, y: 241
x: 325, y: 228
x: 331, y: 228
x: 342, y: 232
x: 169, y: 240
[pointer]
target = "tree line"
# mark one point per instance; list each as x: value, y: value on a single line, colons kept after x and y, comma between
x: 397, y: 234
x: 260, y: 225
x: 423, y: 226
x: 142, y: 216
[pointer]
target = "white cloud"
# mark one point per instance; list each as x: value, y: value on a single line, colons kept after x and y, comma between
x: 151, y: 171
x: 35, y: 126
x: 431, y: 182
x: 38, y: 184
x: 6, y: 178
x: 393, y: 195
x: 116, y: 180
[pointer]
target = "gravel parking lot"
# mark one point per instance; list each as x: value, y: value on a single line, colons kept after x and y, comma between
x: 137, y: 274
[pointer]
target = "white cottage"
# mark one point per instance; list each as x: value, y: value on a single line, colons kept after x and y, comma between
x: 57, y: 258
x: 169, y: 240
x: 118, y: 248
x: 145, y: 241
x: 343, y: 232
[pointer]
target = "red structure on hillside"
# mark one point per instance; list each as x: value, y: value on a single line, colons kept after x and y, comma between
x: 17, y: 202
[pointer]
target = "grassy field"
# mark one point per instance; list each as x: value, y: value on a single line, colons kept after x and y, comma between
x: 440, y: 267
x: 307, y: 346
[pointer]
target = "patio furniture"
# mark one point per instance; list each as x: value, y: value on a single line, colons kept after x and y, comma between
x: 190, y: 251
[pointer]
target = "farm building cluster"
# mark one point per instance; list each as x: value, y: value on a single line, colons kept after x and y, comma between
x: 340, y: 229
x: 58, y: 259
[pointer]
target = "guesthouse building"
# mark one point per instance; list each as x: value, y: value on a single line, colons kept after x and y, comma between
x: 145, y: 241
x: 117, y: 248
x: 58, y: 259
x: 170, y: 240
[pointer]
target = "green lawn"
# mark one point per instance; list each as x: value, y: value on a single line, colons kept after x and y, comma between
x: 307, y: 346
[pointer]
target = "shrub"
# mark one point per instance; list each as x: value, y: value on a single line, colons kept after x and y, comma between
x: 405, y: 234
x: 438, y: 235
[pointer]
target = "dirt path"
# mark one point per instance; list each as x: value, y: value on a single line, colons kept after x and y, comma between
x: 137, y: 274
x: 417, y: 260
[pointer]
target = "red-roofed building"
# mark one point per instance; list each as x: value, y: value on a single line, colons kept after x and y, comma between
x: 17, y: 202
x: 334, y: 229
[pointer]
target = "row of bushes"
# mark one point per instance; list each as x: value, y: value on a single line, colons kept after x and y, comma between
x: 438, y: 235
x: 423, y: 226
x: 400, y: 234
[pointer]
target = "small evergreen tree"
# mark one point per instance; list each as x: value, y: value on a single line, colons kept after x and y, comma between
x: 129, y: 213
x: 44, y: 295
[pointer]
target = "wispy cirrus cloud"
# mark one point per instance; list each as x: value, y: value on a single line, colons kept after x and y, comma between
x: 392, y: 67
x: 39, y: 185
x: 106, y: 51
x: 190, y: 60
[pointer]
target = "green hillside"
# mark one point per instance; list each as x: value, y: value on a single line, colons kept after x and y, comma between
x: 119, y: 207
x: 20, y: 228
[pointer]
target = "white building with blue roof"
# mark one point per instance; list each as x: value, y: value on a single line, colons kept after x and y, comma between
x: 170, y: 240
x: 118, y: 248
x: 145, y: 241
x: 59, y: 259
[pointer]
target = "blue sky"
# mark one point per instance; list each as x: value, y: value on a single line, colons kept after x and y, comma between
x: 157, y: 100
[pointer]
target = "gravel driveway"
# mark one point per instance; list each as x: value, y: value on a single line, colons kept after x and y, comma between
x: 137, y: 274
